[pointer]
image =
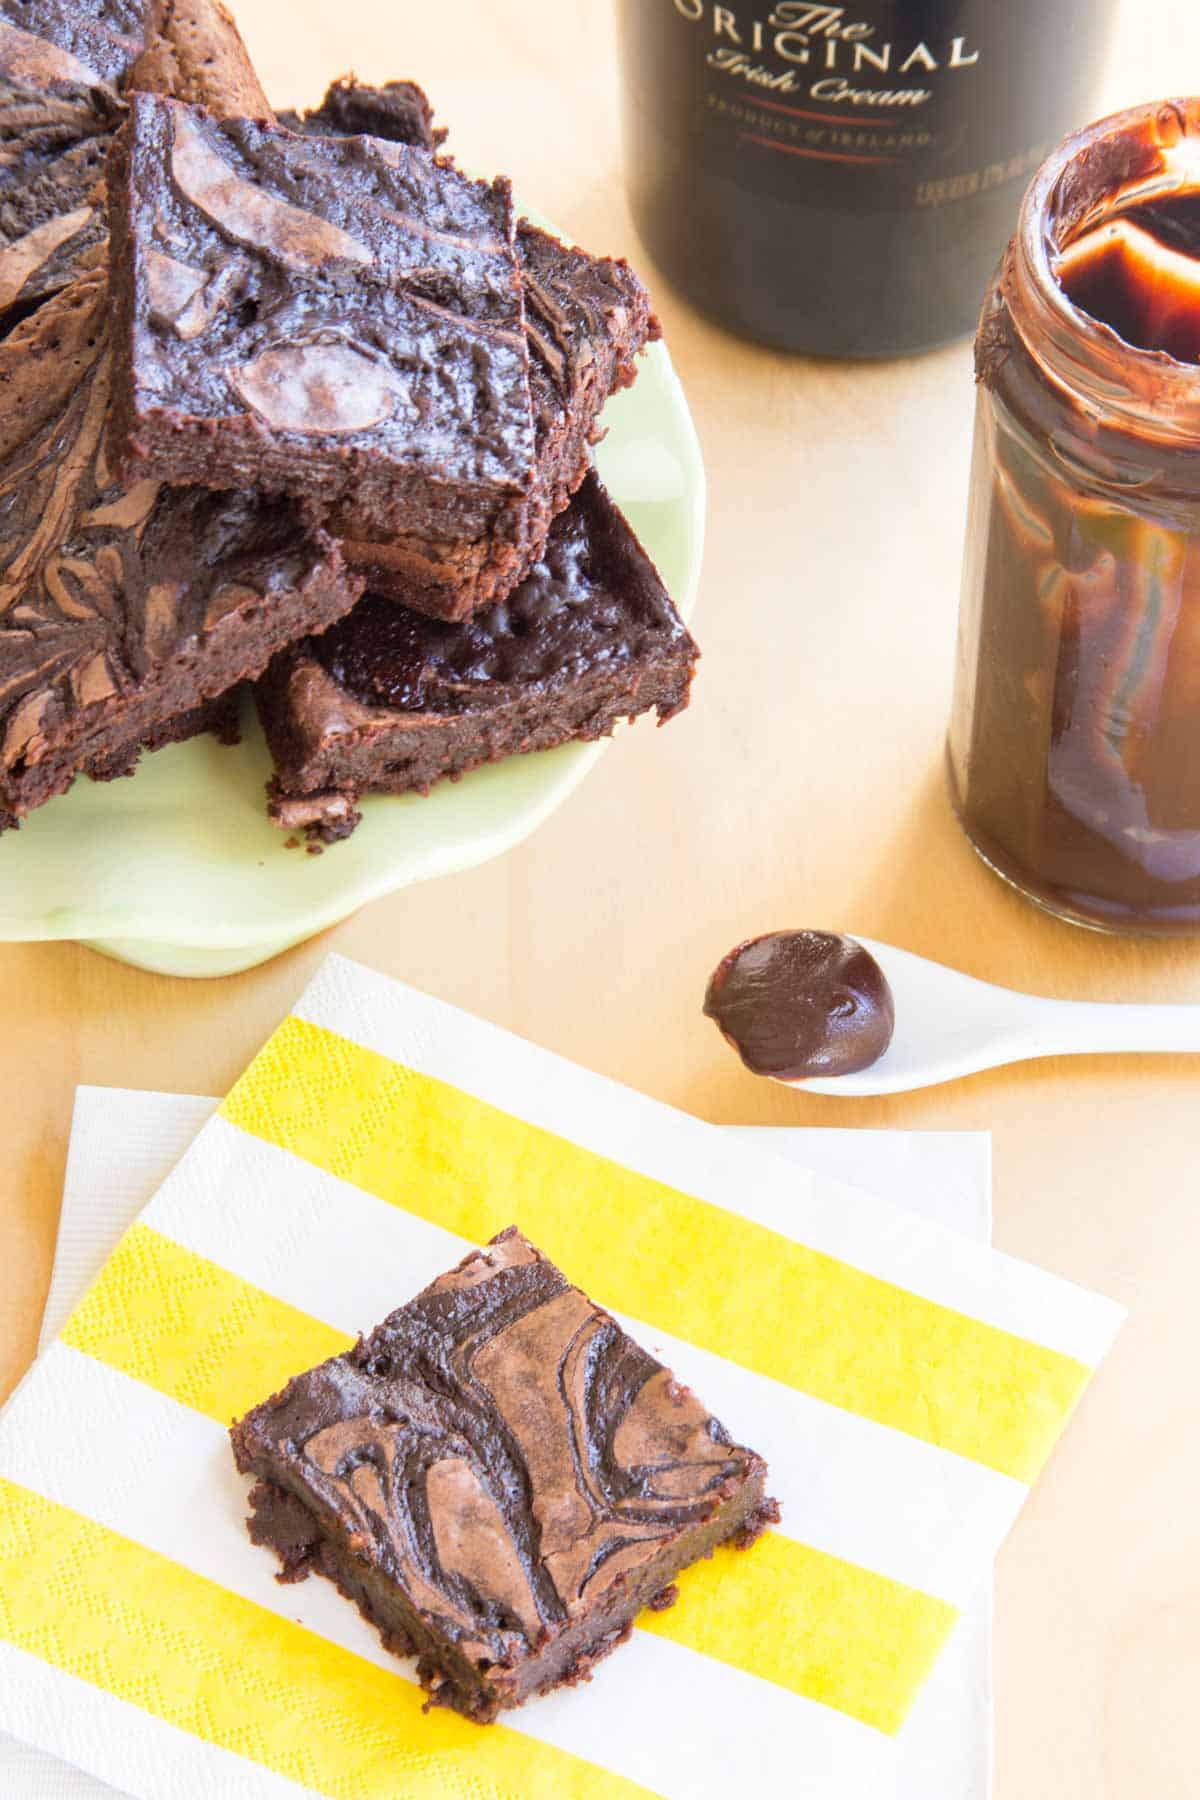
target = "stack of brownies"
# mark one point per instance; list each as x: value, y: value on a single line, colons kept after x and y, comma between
x: 291, y: 400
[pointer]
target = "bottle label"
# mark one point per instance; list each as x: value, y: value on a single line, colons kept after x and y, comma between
x: 900, y: 93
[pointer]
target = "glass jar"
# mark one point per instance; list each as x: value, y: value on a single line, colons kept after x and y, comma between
x: 1074, y: 747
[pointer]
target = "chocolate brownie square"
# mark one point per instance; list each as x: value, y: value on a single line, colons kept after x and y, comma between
x: 55, y: 132
x: 337, y: 318
x: 398, y: 111
x: 124, y: 614
x: 391, y: 701
x: 500, y: 1477
x: 102, y: 36
x: 586, y: 319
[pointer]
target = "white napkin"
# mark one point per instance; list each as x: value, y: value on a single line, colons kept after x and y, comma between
x: 124, y: 1144
x: 904, y: 1383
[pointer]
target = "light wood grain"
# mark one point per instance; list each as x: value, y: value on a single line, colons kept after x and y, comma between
x: 803, y: 787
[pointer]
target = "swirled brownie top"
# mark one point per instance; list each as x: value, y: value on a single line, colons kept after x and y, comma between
x: 510, y: 1461
x: 586, y: 319
x: 55, y: 133
x: 340, y: 318
x: 103, y: 36
x: 102, y: 589
x: 580, y: 310
x: 57, y: 121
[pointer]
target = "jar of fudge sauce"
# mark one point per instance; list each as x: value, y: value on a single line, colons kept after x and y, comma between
x: 1074, y: 747
x: 841, y: 180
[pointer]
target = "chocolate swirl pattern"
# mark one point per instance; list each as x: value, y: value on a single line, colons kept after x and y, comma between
x: 586, y: 319
x: 323, y: 270
x: 119, y: 609
x: 102, y: 37
x: 56, y: 127
x: 500, y: 1475
x: 57, y: 122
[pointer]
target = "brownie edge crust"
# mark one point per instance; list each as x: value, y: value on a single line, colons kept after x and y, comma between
x: 499, y: 1477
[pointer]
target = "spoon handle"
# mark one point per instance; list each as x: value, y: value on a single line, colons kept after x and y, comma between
x: 1081, y: 1026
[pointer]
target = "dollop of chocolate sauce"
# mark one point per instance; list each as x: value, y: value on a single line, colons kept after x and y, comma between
x: 800, y: 1003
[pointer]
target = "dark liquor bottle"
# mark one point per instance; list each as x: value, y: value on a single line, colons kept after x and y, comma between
x: 841, y: 180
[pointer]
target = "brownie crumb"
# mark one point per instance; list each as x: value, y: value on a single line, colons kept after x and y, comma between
x: 764, y: 1516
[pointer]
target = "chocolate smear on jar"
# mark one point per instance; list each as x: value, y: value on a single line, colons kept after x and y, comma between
x: 797, y: 1004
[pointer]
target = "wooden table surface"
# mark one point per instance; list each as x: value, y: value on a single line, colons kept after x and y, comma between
x: 804, y: 787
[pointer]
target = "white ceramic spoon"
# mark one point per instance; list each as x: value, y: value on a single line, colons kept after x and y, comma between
x: 949, y: 1024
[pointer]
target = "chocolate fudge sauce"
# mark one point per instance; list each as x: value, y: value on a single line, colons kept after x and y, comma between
x: 1140, y: 275
x: 796, y: 1004
x: 1074, y: 747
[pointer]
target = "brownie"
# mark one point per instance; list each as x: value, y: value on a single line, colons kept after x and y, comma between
x: 55, y: 133
x: 500, y: 1477
x: 219, y: 718
x: 586, y: 319
x: 390, y: 701
x: 103, y: 36
x: 123, y: 614
x: 399, y: 111
x: 194, y: 51
x: 56, y: 128
x: 337, y: 318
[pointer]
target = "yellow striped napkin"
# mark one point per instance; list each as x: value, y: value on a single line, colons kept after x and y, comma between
x: 905, y: 1384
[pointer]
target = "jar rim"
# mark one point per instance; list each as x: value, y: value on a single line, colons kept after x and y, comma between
x: 1143, y: 153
